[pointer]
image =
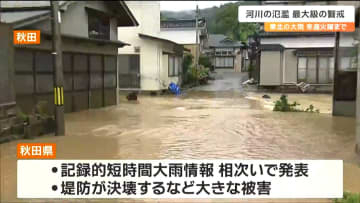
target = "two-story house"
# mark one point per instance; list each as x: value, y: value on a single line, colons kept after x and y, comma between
x: 151, y: 63
x: 183, y: 32
x: 226, y: 53
x: 89, y: 44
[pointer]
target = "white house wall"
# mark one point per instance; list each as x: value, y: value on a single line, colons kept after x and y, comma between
x: 147, y: 13
x: 278, y: 67
x: 180, y: 36
x: 290, y: 66
x: 153, y: 70
x: 270, y: 68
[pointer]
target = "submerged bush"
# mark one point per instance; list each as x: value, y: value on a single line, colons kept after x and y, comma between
x: 283, y: 105
x: 21, y: 115
x: 198, y: 76
x: 187, y: 61
x: 205, y: 61
x: 349, y: 198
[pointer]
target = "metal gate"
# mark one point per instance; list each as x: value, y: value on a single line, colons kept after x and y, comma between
x: 89, y: 80
x: 129, y: 71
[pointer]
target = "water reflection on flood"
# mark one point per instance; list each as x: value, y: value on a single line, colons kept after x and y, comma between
x: 197, y: 125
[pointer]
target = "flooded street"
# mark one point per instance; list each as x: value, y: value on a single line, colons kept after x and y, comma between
x: 199, y: 124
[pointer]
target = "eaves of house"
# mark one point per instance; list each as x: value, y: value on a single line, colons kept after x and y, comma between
x: 294, y: 34
x: 178, y: 48
x: 298, y: 40
x: 33, y: 12
x: 117, y: 43
x: 29, y: 13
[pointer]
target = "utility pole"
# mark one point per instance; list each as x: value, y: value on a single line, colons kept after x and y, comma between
x: 58, y: 77
x: 197, y: 38
x: 0, y: 11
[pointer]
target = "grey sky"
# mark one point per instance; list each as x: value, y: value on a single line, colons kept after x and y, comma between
x: 189, y: 5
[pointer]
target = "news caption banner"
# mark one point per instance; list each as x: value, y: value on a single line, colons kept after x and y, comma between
x: 308, y: 18
x: 179, y: 178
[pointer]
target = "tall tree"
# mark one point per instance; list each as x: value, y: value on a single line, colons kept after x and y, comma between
x: 227, y: 23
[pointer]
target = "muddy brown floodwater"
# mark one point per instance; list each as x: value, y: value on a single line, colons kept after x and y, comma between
x: 197, y: 125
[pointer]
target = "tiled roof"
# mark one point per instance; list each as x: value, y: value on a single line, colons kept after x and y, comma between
x: 219, y: 40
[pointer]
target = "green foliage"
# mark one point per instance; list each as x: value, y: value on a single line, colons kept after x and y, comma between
x: 41, y: 109
x: 283, y: 105
x: 312, y: 109
x: 227, y: 23
x: 187, y: 61
x: 162, y: 16
x: 205, y: 61
x: 251, y: 69
x: 20, y: 114
x: 203, y: 72
x: 198, y: 76
x: 349, y: 198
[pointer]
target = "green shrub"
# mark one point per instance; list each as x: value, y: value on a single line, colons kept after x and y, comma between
x: 311, y: 109
x: 187, y: 61
x: 42, y: 109
x: 20, y: 114
x: 198, y: 76
x: 251, y: 69
x: 284, y: 106
x: 205, y: 61
x: 349, y: 198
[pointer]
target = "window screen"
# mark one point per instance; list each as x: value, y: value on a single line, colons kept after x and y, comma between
x: 331, y: 69
x: 323, y: 69
x: 302, y: 68
x: 171, y: 66
x: 176, y: 70
x: 311, y: 70
x: 345, y: 63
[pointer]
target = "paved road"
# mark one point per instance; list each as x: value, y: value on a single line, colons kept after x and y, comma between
x: 225, y: 80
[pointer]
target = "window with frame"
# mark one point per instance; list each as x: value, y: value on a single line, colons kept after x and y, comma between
x: 180, y: 67
x: 171, y: 66
x: 316, y: 69
x: 174, y: 66
x: 98, y: 25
